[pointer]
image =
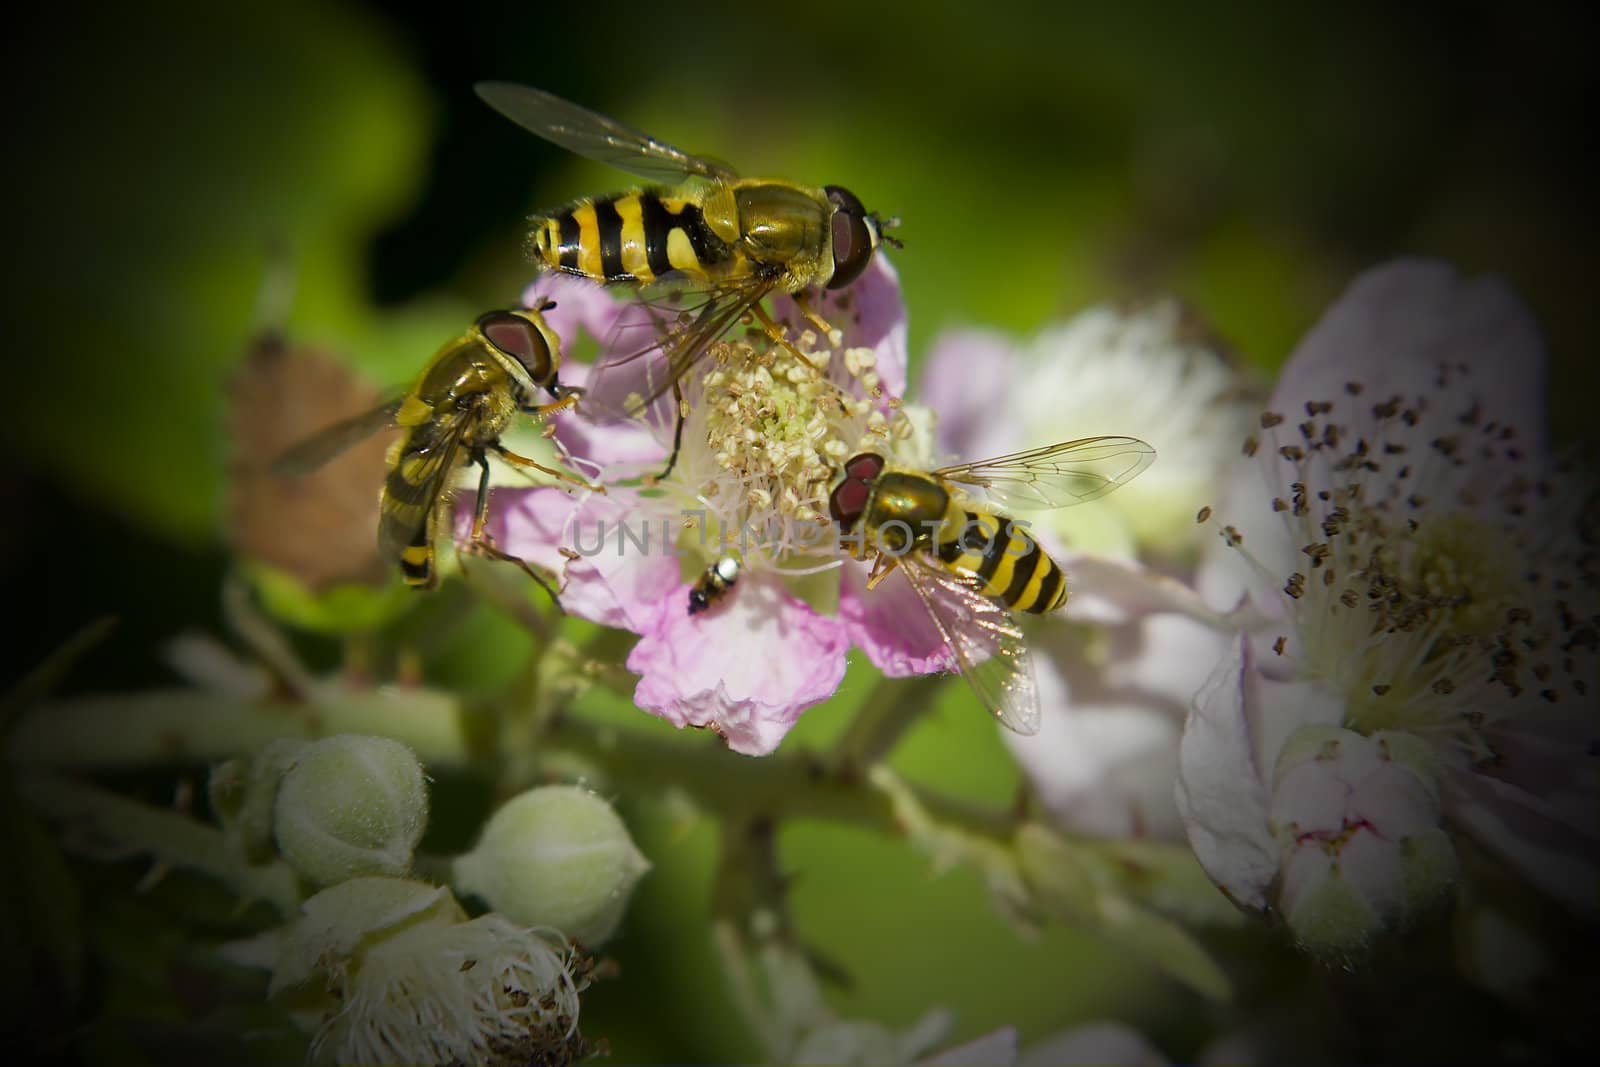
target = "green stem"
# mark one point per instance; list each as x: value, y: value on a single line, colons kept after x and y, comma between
x: 785, y: 786
x: 165, y: 727
x: 892, y: 708
x: 166, y: 835
x: 742, y: 987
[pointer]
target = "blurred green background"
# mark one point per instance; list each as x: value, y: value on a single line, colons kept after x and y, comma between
x: 1249, y: 157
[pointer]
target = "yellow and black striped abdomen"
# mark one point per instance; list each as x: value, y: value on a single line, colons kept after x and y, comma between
x: 1012, y: 567
x: 416, y: 486
x: 637, y: 237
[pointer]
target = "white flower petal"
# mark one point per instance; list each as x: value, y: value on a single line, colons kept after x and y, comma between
x: 1309, y: 799
x: 1108, y: 1043
x: 1521, y: 830
x: 1397, y: 323
x: 1220, y: 792
x: 1109, y: 592
x: 998, y: 1048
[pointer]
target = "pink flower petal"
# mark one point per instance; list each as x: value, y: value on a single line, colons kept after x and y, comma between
x: 582, y: 308
x: 747, y: 668
x: 615, y: 446
x: 602, y: 433
x: 891, y: 625
x: 615, y: 582
x: 1221, y: 795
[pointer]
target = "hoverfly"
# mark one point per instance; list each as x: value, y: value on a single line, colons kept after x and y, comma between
x: 735, y: 240
x: 452, y: 416
x: 714, y: 583
x: 971, y: 566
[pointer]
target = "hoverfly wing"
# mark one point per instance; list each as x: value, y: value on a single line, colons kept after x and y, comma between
x: 1059, y: 475
x: 596, y: 136
x: 988, y: 646
x: 418, y: 481
x: 307, y: 455
x: 684, y: 330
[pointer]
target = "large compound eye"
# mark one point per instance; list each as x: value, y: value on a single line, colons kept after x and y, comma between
x: 849, y: 498
x: 855, y: 237
x: 864, y: 467
x: 847, y: 503
x: 520, y: 339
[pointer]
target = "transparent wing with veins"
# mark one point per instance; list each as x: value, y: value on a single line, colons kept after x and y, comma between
x: 988, y: 645
x: 596, y: 136
x: 1056, y: 476
x: 685, y: 333
x: 307, y: 455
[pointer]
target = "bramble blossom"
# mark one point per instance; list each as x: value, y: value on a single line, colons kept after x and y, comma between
x: 1420, y: 623
x: 387, y: 970
x: 1113, y: 692
x: 765, y: 432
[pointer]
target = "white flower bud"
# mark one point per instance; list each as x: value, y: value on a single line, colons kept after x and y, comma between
x: 335, y: 923
x: 350, y: 806
x: 391, y: 971
x: 1357, y: 822
x: 555, y: 856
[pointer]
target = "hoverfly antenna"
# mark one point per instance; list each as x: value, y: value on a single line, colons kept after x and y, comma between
x: 543, y: 304
x: 884, y: 226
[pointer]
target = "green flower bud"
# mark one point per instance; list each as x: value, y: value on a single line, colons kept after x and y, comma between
x: 244, y: 793
x: 555, y: 856
x: 350, y: 806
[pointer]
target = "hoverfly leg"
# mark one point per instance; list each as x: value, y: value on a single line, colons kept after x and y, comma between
x: 523, y: 461
x: 882, y: 567
x: 569, y: 399
x: 480, y: 545
x: 802, y: 300
x: 488, y: 551
x: 680, y: 416
x: 778, y: 335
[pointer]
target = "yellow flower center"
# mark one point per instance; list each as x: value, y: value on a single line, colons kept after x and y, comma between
x: 767, y: 433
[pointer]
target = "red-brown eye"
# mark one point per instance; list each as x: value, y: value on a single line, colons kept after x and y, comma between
x: 516, y: 337
x: 865, y: 467
x: 855, y: 237
x: 849, y: 498
x: 847, y: 503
